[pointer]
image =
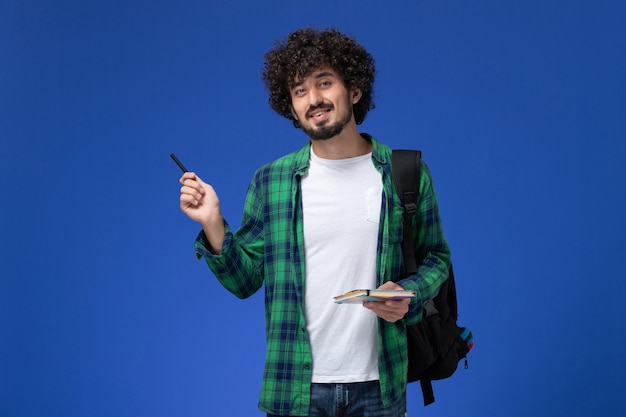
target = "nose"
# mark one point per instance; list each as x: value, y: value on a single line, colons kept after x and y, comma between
x: 315, y: 98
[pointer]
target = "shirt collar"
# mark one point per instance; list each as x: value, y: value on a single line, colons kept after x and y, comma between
x: 380, y: 154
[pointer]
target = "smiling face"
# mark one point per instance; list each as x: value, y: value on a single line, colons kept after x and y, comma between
x: 322, y: 104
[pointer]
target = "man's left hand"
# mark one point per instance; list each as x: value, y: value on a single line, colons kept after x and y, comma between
x: 389, y: 310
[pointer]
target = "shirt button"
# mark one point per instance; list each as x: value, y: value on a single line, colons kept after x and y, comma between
x: 307, y: 366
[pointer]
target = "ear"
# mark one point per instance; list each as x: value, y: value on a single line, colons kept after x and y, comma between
x: 293, y: 113
x: 355, y: 95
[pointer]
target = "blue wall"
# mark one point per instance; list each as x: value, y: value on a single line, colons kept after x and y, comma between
x: 518, y: 108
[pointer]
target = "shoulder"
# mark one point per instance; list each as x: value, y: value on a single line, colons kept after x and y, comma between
x: 380, y: 151
x: 284, y: 167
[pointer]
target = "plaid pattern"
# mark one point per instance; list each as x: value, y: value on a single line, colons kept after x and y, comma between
x: 268, y: 248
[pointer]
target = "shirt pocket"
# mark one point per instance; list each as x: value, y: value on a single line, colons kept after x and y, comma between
x: 373, y: 201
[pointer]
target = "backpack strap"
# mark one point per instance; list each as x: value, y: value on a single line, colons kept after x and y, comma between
x: 427, y: 391
x: 445, y: 339
x: 405, y: 166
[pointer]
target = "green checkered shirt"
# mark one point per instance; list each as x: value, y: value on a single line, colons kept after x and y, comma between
x: 268, y: 248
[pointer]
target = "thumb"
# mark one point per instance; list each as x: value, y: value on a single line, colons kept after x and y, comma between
x: 390, y: 285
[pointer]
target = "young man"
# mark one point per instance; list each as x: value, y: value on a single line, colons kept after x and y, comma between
x: 319, y: 222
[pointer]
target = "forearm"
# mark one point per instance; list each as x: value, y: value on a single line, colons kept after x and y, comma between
x: 240, y: 271
x: 214, y: 232
x: 236, y: 259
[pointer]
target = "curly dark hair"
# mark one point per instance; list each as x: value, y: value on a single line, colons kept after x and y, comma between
x: 306, y: 50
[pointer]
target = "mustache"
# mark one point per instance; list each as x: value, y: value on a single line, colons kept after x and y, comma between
x: 323, y: 106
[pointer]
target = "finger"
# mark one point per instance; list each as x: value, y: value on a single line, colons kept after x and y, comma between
x: 195, y: 185
x: 188, y: 176
x: 398, y: 303
x: 390, y: 285
x: 191, y: 191
x: 378, y: 307
x: 399, y: 310
x: 389, y: 305
x: 390, y: 316
x: 388, y: 309
x: 187, y: 201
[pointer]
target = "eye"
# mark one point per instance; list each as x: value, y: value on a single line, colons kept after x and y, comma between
x: 324, y: 84
x: 298, y: 92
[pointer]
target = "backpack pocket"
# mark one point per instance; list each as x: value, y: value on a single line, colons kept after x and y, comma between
x: 421, y: 351
x: 460, y: 342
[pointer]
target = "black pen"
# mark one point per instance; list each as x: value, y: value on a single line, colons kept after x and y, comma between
x: 180, y: 164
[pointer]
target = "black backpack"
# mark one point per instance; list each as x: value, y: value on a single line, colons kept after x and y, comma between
x: 436, y: 344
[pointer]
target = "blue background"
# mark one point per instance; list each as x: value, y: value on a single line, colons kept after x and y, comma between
x: 518, y: 107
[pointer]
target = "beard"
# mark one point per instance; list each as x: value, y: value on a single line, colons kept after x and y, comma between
x: 326, y: 131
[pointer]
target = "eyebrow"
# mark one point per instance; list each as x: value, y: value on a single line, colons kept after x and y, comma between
x: 317, y: 76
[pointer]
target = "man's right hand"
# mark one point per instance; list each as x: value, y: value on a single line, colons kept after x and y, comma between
x: 199, y: 201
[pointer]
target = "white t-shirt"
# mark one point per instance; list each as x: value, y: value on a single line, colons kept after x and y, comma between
x: 341, y: 208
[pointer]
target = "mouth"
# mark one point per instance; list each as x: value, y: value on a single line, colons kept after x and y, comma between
x: 319, y: 114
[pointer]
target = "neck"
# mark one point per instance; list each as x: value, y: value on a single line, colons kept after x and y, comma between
x: 348, y: 144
